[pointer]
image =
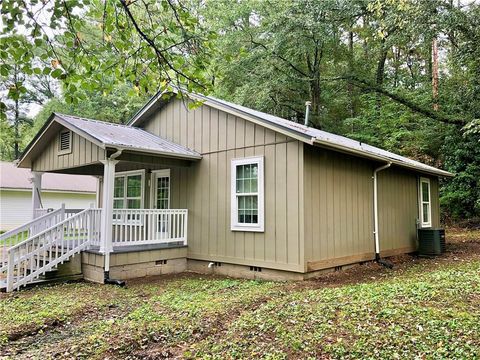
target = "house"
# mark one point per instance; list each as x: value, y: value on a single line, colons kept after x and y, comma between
x: 16, y: 193
x: 226, y: 189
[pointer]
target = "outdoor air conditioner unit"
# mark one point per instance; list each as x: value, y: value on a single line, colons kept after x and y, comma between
x: 431, y: 242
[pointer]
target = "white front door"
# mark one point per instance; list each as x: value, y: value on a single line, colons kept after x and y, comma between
x: 161, y: 189
x: 161, y: 197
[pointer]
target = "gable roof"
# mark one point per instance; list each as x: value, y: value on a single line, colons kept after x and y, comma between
x: 15, y: 178
x: 118, y: 136
x: 127, y: 137
x: 298, y: 131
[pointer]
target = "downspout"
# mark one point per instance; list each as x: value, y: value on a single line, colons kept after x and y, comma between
x: 106, y: 274
x: 375, y: 212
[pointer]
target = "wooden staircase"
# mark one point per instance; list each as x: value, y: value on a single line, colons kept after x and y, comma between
x: 46, y: 249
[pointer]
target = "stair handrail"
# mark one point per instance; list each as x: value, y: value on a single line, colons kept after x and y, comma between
x: 49, y: 229
x: 48, y: 245
x: 29, y: 224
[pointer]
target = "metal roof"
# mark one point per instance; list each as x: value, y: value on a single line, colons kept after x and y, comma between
x: 125, y: 137
x: 12, y: 177
x: 301, y: 132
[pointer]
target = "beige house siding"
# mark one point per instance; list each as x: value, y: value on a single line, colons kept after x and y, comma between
x: 338, y: 209
x: 435, y: 190
x: 83, y: 152
x: 398, y: 210
x: 204, y: 187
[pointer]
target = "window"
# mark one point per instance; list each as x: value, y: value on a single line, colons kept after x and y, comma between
x: 425, y: 203
x: 128, y: 192
x: 65, y: 142
x: 247, y: 194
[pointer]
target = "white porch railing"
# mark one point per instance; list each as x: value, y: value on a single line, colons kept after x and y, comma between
x: 149, y: 226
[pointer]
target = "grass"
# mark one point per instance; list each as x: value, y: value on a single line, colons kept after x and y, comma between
x: 424, y: 308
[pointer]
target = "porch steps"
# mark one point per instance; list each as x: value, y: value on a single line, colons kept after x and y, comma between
x: 45, y: 255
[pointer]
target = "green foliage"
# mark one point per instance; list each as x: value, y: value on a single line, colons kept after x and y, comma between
x: 425, y: 311
x: 460, y: 198
x: 97, y: 45
x: 366, y: 67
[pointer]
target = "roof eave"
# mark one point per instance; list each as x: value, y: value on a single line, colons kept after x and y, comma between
x: 156, y: 152
x: 365, y: 154
x: 144, y: 109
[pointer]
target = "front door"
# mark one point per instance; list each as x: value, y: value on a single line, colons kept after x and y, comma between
x: 161, y: 198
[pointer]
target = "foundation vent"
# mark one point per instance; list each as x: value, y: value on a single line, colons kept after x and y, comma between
x: 255, y: 268
x: 161, y: 262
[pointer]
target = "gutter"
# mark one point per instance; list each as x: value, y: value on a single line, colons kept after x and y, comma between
x: 368, y: 155
x: 375, y: 216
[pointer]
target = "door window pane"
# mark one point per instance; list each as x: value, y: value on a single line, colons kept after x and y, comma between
x: 163, y: 192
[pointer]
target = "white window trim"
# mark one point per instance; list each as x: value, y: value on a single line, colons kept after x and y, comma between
x: 153, y: 186
x: 65, y: 151
x: 234, y: 224
x: 125, y: 198
x: 421, y: 202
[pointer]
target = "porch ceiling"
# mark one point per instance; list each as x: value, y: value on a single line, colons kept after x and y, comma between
x: 127, y: 162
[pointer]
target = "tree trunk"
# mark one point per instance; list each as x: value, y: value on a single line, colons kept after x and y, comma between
x: 16, y: 125
x: 379, y: 76
x: 350, y: 69
x: 435, y: 74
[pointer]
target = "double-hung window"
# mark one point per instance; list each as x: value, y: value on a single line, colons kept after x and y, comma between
x: 127, y: 194
x: 425, y: 203
x: 247, y: 194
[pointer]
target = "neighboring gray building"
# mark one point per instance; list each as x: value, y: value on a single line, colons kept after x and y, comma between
x: 74, y: 191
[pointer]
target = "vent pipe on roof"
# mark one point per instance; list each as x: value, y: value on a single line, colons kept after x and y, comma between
x: 307, y: 111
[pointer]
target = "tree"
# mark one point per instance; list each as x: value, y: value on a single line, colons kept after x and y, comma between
x: 96, y: 45
x: 20, y: 88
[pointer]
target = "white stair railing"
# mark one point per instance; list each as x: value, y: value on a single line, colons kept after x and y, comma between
x: 42, y: 252
x: 25, y: 231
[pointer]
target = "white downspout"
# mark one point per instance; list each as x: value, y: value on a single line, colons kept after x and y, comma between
x: 375, y: 208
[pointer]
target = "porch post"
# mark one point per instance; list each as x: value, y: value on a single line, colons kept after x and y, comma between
x: 36, y: 181
x: 107, y: 205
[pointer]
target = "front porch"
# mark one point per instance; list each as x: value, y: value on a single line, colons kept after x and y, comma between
x: 135, y: 211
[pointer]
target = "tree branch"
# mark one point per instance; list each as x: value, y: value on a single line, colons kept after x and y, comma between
x: 366, y: 85
x: 161, y: 57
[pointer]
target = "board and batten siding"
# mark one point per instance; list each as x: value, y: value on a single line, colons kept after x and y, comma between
x: 435, y: 190
x: 397, y: 210
x: 338, y: 209
x: 204, y: 187
x: 84, y: 152
x: 398, y: 196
